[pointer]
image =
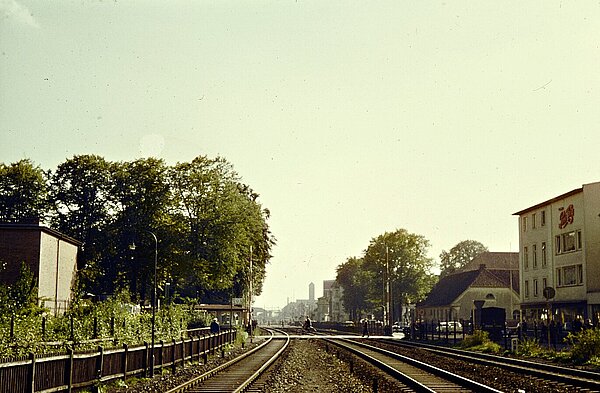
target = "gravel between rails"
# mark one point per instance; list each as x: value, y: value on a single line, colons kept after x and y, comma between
x: 312, y: 366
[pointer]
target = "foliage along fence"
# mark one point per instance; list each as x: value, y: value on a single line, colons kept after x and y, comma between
x: 73, y: 371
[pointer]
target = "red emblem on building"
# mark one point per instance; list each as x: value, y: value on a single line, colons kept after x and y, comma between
x: 566, y: 216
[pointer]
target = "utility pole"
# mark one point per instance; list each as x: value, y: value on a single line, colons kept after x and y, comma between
x: 250, y: 295
x: 388, y: 293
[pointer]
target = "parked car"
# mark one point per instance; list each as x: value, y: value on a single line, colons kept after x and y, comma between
x: 348, y: 324
x: 450, y: 327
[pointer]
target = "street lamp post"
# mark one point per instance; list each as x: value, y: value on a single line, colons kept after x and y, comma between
x: 250, y: 296
x: 132, y: 247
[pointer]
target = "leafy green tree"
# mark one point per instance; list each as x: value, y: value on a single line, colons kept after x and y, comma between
x: 459, y: 256
x: 403, y: 256
x: 219, y: 221
x: 140, y: 191
x: 81, y: 194
x: 355, y: 280
x: 23, y: 191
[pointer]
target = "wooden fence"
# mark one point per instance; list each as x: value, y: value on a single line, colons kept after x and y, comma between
x: 74, y: 371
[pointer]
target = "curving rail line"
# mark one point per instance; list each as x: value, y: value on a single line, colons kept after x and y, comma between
x: 580, y: 379
x: 238, y: 374
x: 416, y: 375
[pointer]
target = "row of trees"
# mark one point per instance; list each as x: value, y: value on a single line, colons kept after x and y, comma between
x: 401, y: 256
x: 205, y: 219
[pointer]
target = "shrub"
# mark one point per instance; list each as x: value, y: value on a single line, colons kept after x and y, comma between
x: 585, y: 345
x: 480, y: 341
x: 530, y: 347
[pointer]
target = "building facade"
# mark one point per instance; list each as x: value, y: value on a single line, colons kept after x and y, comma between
x: 559, y: 256
x: 330, y: 307
x: 491, y: 277
x: 50, y: 255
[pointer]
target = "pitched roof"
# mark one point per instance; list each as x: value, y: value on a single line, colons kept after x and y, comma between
x: 494, y: 261
x: 449, y: 288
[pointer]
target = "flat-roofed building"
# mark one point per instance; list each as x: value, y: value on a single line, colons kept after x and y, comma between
x: 559, y: 248
x: 50, y: 255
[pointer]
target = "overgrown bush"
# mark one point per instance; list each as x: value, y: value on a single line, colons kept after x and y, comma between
x: 585, y: 346
x: 480, y: 341
x: 87, y: 325
x: 530, y: 347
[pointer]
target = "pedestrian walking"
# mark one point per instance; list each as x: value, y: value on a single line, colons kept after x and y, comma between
x: 365, y: 331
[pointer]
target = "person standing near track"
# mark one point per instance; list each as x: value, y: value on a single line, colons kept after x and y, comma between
x: 214, y: 326
x: 365, y: 331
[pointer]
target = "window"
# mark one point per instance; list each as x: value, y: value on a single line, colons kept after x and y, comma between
x: 543, y: 218
x: 569, y: 275
x: 534, y: 255
x: 568, y: 242
x: 525, y: 258
x: 524, y: 223
x: 526, y: 288
x: 533, y: 221
x: 544, y: 257
x: 544, y: 283
x: 535, y: 288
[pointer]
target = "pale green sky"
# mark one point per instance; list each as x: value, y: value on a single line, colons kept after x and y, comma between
x: 349, y: 118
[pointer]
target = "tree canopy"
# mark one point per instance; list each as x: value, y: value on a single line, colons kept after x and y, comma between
x: 204, y: 218
x: 459, y: 255
x: 23, y: 191
x: 400, y: 254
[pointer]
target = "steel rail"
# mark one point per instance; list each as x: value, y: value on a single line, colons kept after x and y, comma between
x: 264, y: 367
x: 416, y: 381
x: 571, y: 376
x: 194, y: 383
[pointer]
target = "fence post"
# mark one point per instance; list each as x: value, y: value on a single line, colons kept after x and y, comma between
x: 192, y: 350
x: 32, y: 373
x: 447, y: 330
x: 145, y: 361
x: 162, y: 353
x: 69, y: 370
x: 173, y: 366
x: 125, y: 351
x: 99, y: 364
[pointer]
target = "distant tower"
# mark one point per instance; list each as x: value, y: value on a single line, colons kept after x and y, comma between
x: 311, y: 292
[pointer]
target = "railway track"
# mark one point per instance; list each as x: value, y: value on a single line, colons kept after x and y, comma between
x: 416, y: 376
x: 570, y: 378
x: 240, y: 373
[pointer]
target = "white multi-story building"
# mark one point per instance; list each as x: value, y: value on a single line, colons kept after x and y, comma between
x: 559, y: 249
